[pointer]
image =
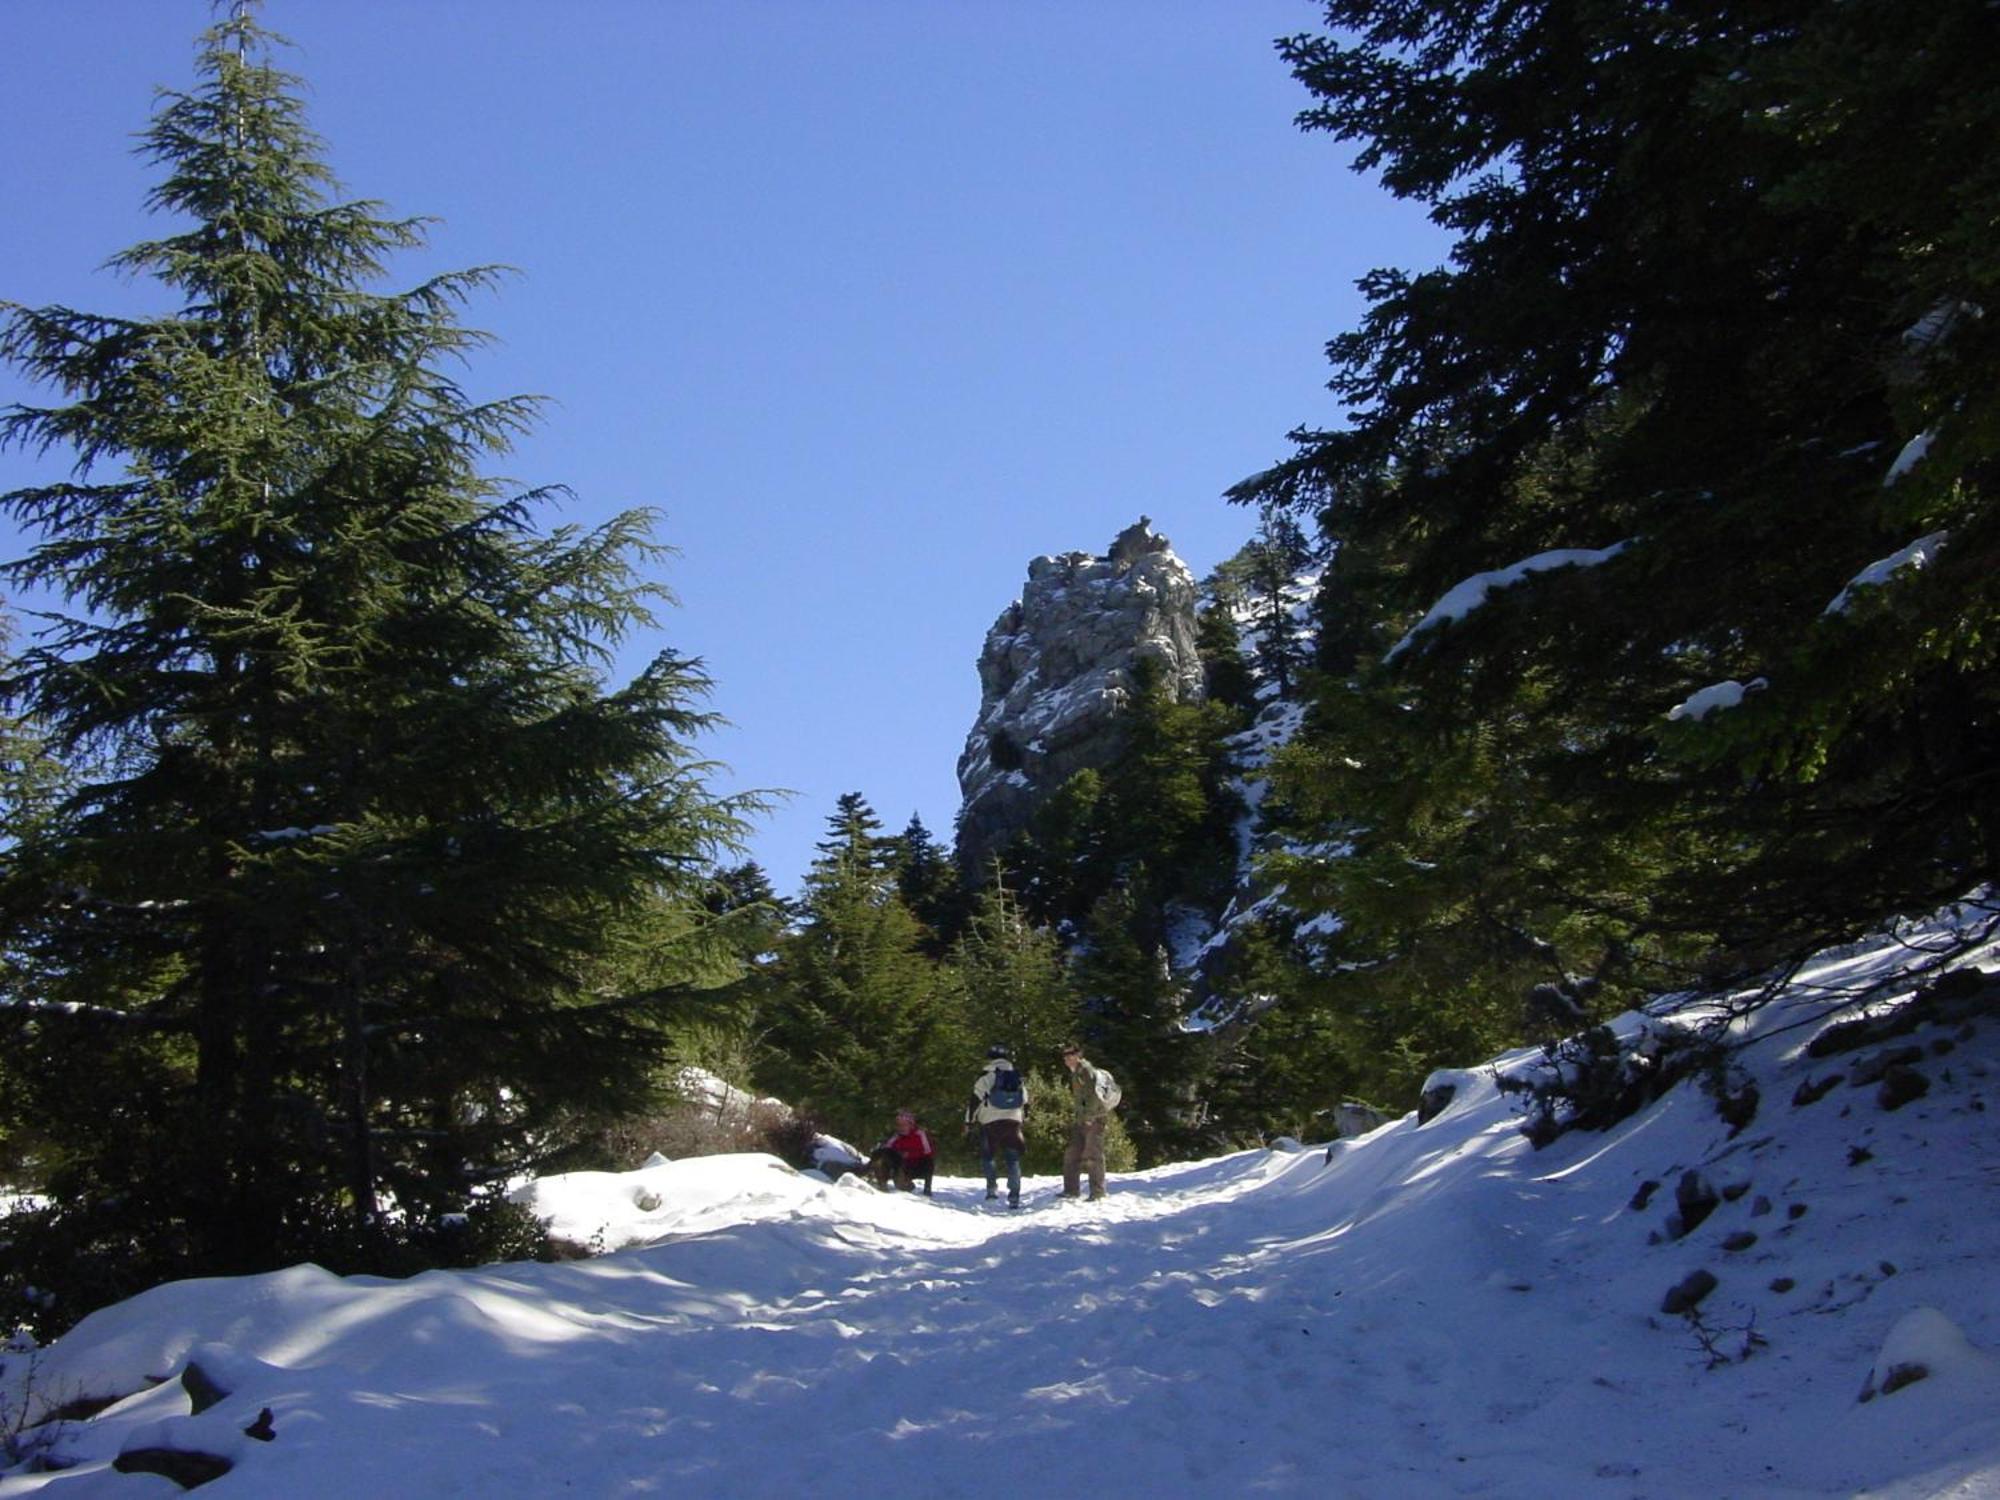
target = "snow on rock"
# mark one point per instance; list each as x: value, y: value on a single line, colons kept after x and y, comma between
x: 1924, y: 1344
x: 834, y: 1156
x: 1939, y: 324
x: 699, y: 1086
x: 1449, y: 1088
x: 1932, y: 1399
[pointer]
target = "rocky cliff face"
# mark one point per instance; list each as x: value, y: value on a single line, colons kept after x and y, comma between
x: 1057, y: 668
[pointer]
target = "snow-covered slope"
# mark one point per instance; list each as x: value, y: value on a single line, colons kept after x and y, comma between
x: 1200, y: 942
x: 1431, y: 1310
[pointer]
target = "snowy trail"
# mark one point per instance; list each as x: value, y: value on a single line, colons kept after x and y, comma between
x: 1428, y: 1311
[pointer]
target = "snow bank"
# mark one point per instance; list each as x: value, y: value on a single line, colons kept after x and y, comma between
x: 611, y: 1210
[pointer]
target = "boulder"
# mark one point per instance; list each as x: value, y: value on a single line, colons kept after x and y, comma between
x: 1352, y: 1118
x: 186, y: 1468
x: 1687, y: 1294
x: 1901, y: 1085
x: 1695, y: 1198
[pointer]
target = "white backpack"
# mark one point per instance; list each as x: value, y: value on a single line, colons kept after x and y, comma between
x: 1108, y: 1092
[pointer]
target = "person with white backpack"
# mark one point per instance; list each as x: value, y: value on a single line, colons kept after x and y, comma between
x: 1095, y: 1093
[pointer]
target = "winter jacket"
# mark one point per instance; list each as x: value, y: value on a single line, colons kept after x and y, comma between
x: 1083, y: 1089
x: 979, y: 1112
x: 914, y: 1148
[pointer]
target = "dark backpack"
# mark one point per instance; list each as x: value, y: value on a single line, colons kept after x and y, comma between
x: 1006, y: 1091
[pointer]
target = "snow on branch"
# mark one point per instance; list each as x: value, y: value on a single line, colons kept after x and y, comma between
x: 1468, y: 596
x: 15, y: 1007
x: 1716, y: 696
x: 1912, y: 455
x: 1919, y: 554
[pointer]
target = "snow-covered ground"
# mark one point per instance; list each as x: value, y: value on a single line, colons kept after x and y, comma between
x: 1431, y: 1310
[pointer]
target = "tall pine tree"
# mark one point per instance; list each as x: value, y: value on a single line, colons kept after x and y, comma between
x: 853, y: 1024
x: 927, y: 878
x: 1272, y: 563
x: 361, y: 831
x: 1008, y: 980
x: 1134, y: 1009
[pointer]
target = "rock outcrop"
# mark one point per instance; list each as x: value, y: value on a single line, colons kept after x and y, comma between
x: 1058, y: 667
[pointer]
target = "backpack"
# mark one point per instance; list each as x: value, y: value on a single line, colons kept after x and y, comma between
x: 1108, y: 1092
x: 1006, y: 1090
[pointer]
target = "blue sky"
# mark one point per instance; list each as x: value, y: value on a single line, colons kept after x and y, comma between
x: 874, y: 301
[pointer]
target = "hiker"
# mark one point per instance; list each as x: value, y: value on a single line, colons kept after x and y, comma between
x: 1096, y: 1095
x: 905, y: 1154
x: 998, y: 1109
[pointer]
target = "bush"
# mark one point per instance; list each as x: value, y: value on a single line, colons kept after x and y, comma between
x: 791, y: 1138
x: 1051, y: 1112
x: 60, y: 1263
x: 1592, y: 1081
x: 492, y: 1231
x: 683, y: 1128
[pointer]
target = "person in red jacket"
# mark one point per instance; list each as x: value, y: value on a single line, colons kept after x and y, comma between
x: 906, y: 1154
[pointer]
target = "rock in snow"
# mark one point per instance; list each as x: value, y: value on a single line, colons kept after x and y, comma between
x: 1925, y: 1343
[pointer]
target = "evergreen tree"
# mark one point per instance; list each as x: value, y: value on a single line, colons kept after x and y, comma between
x: 927, y: 878
x: 750, y: 921
x: 1226, y: 677
x: 31, y: 780
x: 854, y: 839
x: 1350, y: 611
x: 1168, y: 804
x: 1272, y: 563
x: 31, y: 787
x: 1112, y: 862
x: 361, y: 837
x: 1060, y: 863
x: 750, y: 916
x: 1704, y: 352
x: 852, y: 1031
x: 1009, y: 982
x: 1134, y: 1007
x: 1274, y: 1070
x: 744, y: 887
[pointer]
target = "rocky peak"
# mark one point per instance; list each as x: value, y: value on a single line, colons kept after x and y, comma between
x: 1057, y: 669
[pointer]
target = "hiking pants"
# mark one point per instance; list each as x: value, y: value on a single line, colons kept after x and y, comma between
x: 1003, y: 1138
x: 909, y: 1173
x: 886, y: 1166
x: 1085, y: 1153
